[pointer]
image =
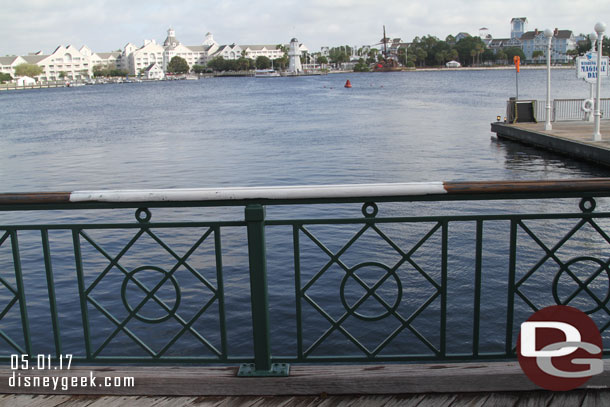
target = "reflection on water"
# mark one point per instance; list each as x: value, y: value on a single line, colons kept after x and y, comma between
x: 400, y: 127
x: 523, y: 158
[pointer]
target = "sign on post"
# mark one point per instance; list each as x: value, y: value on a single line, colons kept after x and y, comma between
x: 586, y: 67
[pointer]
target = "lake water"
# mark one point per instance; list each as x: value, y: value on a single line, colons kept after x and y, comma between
x: 395, y: 127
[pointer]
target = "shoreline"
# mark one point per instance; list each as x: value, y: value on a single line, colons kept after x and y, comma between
x: 474, y: 68
x: 6, y: 87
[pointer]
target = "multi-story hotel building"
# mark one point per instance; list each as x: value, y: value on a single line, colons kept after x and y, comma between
x: 134, y: 60
x: 72, y: 63
x: 65, y: 62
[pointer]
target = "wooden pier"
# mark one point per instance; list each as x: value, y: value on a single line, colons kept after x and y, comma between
x: 450, y: 384
x: 576, y: 398
x: 573, y: 138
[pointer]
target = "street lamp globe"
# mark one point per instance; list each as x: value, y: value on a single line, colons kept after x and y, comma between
x: 600, y: 27
x: 593, y: 37
x: 548, y: 33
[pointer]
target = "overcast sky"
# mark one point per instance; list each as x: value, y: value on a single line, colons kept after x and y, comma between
x: 106, y: 25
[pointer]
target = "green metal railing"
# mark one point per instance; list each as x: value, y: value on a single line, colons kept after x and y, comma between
x: 391, y: 303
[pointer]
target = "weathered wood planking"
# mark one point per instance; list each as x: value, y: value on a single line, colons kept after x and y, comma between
x: 584, y: 398
x: 304, y: 380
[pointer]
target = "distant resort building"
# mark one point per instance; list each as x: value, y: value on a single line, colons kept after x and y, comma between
x: 562, y: 42
x: 153, y: 72
x: 64, y: 63
x: 8, y: 64
x: 532, y: 41
x: 461, y: 36
x: 135, y: 60
x: 71, y: 63
x: 517, y: 27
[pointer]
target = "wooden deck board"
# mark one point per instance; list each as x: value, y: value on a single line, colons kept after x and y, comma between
x: 596, y: 399
x: 568, y: 399
x: 535, y: 399
x: 304, y: 380
x: 584, y: 398
x: 399, y: 385
x: 470, y: 400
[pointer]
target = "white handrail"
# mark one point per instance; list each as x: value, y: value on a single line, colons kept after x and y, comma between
x: 272, y: 193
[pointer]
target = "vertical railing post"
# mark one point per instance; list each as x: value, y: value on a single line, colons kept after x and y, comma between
x: 262, y: 366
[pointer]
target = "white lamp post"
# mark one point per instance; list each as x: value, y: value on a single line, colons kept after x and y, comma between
x: 599, y: 29
x: 549, y: 36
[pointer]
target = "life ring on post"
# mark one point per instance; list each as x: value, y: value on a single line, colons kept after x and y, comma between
x: 587, y: 105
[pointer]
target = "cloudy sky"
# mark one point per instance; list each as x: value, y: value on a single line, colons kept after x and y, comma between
x: 105, y: 25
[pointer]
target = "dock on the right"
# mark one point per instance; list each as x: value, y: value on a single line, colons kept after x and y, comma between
x: 572, y: 138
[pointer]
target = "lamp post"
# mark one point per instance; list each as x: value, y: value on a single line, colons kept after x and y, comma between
x: 599, y: 29
x: 549, y: 36
x: 593, y: 39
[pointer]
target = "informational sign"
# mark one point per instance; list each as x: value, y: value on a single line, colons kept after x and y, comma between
x: 586, y: 67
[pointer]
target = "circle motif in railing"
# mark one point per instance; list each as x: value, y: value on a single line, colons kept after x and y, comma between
x: 583, y: 285
x: 146, y: 269
x: 370, y: 209
x: 371, y: 291
x: 143, y: 215
x: 587, y: 205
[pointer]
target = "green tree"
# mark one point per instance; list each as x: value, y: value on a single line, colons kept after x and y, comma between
x: 488, y: 55
x: 30, y: 70
x: 281, y: 63
x: 99, y: 70
x: 217, y: 64
x: 511, y: 52
x: 4, y: 77
x: 468, y: 49
x: 420, y: 56
x: 178, y: 65
x: 243, y: 64
x: 402, y: 56
x: 117, y: 72
x: 439, y: 57
x: 262, y: 62
x: 479, y: 48
x: 537, y: 55
x: 501, y: 56
x: 62, y: 74
x: 361, y: 66
x: 372, y: 56
x: 339, y: 55
x: 198, y: 68
x: 322, y: 60
x: 584, y: 46
x: 572, y: 53
x: 282, y: 48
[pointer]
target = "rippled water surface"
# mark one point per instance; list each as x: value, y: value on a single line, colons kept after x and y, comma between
x: 395, y: 127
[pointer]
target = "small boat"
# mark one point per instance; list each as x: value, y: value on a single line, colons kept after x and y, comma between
x: 265, y: 73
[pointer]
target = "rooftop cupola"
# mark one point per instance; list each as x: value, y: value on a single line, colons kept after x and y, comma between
x: 171, y: 40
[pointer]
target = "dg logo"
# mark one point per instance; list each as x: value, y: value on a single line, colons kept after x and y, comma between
x: 560, y: 348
